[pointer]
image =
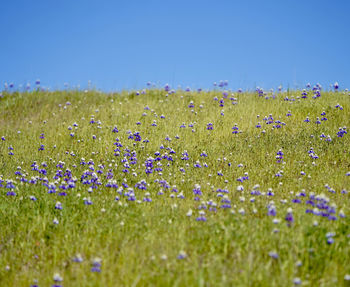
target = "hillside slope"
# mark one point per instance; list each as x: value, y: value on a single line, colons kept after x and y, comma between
x: 210, y: 189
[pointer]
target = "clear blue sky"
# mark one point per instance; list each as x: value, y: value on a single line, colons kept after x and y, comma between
x: 124, y: 44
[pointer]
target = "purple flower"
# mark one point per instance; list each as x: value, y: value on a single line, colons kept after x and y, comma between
x: 78, y: 258
x: 10, y: 184
x: 87, y: 201
x: 273, y: 254
x: 332, y: 217
x: 96, y: 265
x: 182, y: 255
x: 235, y: 129
x: 289, y: 217
x: 279, y: 156
x: 210, y: 126
x: 271, y: 211
x: 304, y: 94
x: 341, y: 132
x: 95, y: 269
x: 330, y: 240
x: 201, y: 218
x: 203, y: 154
x: 197, y: 189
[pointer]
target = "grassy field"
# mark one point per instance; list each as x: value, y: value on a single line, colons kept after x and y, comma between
x: 174, y: 189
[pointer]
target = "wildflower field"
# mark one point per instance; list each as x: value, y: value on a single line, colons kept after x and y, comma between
x: 175, y: 188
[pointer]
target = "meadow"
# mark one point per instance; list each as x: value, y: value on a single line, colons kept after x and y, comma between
x: 175, y: 188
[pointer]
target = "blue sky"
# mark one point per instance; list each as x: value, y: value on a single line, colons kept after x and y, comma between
x: 124, y: 44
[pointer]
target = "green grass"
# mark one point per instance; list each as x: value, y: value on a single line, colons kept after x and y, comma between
x: 139, y: 242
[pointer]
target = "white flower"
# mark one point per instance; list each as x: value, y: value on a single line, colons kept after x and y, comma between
x: 57, y: 277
